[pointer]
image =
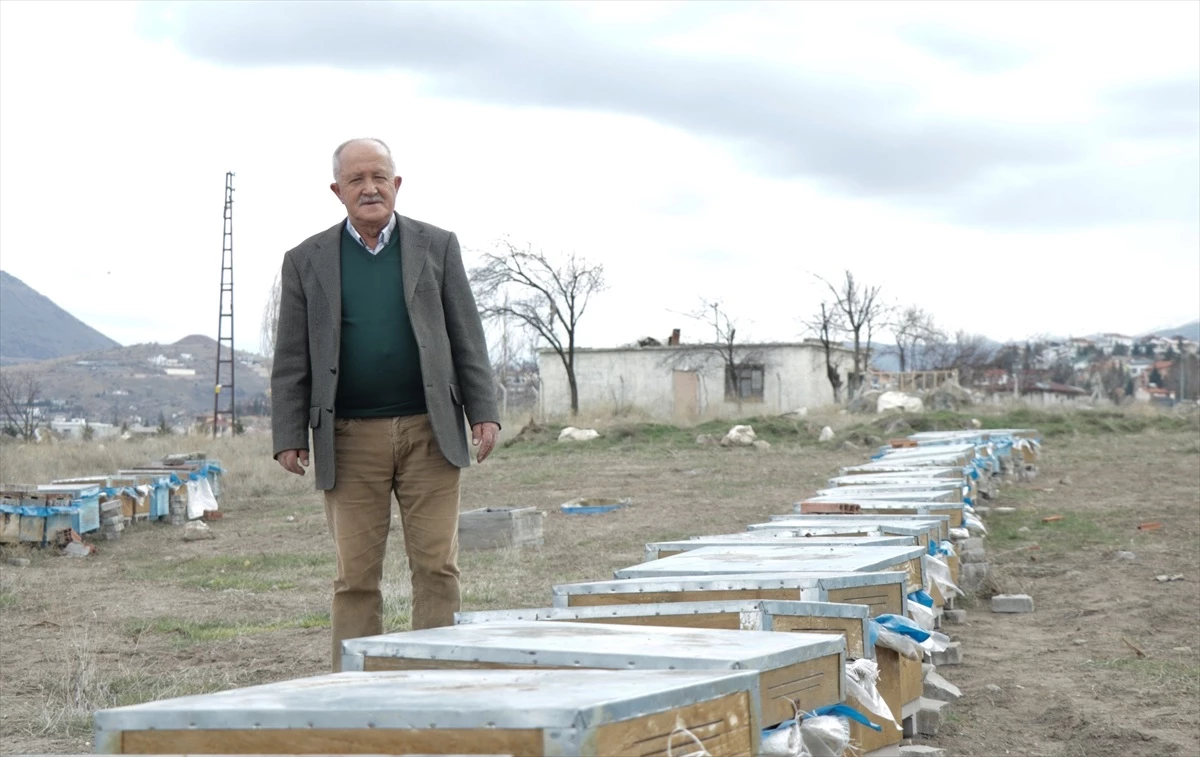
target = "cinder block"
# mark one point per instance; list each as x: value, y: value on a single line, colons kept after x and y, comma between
x: 972, y: 575
x: 887, y: 751
x: 1012, y: 603
x: 973, y: 542
x: 951, y: 655
x: 940, y: 689
x: 972, y: 556
x: 926, y: 720
x: 921, y: 750
x: 954, y: 617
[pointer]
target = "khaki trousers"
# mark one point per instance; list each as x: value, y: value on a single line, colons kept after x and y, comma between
x: 377, y: 457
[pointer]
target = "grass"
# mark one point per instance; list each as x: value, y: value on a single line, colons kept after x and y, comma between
x: 1074, y: 532
x: 1183, y: 677
x: 200, y: 631
x: 8, y: 599
x: 254, y: 573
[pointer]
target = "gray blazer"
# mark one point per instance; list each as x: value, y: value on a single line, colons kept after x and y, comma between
x: 445, y: 320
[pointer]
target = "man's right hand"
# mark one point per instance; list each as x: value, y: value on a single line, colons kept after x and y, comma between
x: 292, y: 459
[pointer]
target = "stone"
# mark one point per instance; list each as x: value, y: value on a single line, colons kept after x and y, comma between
x: 197, y: 530
x: 705, y: 439
x: 19, y: 562
x: 973, y: 542
x: 951, y: 655
x: 972, y: 575
x: 761, y: 444
x: 921, y: 750
x: 739, y: 436
x: 290, y: 519
x: 826, y: 435
x: 1004, y: 510
x: 76, y: 549
x: 992, y: 688
x: 954, y: 617
x: 1079, y: 642
x: 926, y: 720
x: 1065, y: 481
x: 936, y: 687
x: 1012, y: 603
x: 1122, y: 555
x: 572, y: 434
x: 1024, y: 530
x: 898, y: 401
x: 850, y: 446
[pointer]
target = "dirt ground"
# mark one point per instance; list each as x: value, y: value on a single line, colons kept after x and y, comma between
x: 152, y: 616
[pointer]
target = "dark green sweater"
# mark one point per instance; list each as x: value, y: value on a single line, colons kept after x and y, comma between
x: 380, y: 368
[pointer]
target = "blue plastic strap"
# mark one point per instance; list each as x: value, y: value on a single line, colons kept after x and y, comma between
x: 945, y: 548
x: 846, y: 711
x: 903, y: 626
x: 920, y: 596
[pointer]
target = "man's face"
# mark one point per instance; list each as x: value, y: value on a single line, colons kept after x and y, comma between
x: 366, y: 184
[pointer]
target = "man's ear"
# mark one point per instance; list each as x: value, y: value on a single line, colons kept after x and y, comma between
x: 337, y: 190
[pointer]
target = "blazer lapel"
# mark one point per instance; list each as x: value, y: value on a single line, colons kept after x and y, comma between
x: 414, y: 250
x: 326, y: 261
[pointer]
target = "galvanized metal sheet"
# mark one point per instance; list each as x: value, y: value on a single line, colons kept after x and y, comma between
x: 919, y: 475
x: 910, y: 485
x: 818, y: 581
x: 425, y: 699
x: 596, y: 645
x: 773, y: 539
x: 835, y: 495
x: 601, y: 612
x: 771, y: 559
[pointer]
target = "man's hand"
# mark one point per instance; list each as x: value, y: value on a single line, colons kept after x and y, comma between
x: 483, y: 435
x: 292, y: 459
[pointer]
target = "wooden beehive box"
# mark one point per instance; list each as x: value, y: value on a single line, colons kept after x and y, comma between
x: 926, y: 527
x: 524, y: 713
x: 498, y: 527
x: 882, y: 592
x: 661, y: 549
x: 805, y: 667
x: 798, y: 559
x: 892, y: 505
x: 849, y: 621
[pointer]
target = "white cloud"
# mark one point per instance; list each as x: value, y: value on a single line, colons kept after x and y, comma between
x: 114, y: 144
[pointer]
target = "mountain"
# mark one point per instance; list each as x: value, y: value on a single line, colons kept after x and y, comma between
x: 1187, y: 331
x: 32, y: 327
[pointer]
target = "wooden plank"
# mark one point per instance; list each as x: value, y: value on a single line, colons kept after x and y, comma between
x: 10, y: 528
x: 888, y: 687
x: 883, y: 600
x: 517, y: 742
x: 722, y: 725
x: 810, y: 684
x: 912, y: 679
x: 33, y: 529
x: 851, y: 628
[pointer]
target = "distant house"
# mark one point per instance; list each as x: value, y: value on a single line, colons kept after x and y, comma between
x: 688, y: 382
x: 1051, y: 393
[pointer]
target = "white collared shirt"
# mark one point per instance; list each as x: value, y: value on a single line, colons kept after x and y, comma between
x: 384, y: 235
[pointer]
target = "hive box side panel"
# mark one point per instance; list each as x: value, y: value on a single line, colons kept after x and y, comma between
x: 725, y: 726
x: 888, y: 686
x: 883, y: 599
x: 851, y: 628
x: 810, y: 684
x: 516, y: 742
x: 912, y: 679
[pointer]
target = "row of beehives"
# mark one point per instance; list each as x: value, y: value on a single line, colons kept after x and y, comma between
x: 174, y: 490
x: 678, y: 655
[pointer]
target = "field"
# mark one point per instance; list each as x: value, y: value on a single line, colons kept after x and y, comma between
x: 152, y: 616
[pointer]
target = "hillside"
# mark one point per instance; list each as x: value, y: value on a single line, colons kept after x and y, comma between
x: 32, y: 327
x: 1187, y: 331
x: 142, y: 380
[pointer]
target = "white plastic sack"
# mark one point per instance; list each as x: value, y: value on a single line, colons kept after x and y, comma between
x: 973, y: 523
x: 572, y: 434
x: 862, y: 679
x: 739, y: 436
x: 923, y: 616
x: 200, y: 498
x: 824, y: 736
x: 937, y: 642
x: 905, y: 645
x: 782, y: 742
x: 938, y: 572
x: 958, y: 534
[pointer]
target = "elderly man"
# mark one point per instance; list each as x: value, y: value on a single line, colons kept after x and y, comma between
x: 380, y: 352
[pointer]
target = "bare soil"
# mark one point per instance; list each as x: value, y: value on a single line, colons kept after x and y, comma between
x: 152, y: 616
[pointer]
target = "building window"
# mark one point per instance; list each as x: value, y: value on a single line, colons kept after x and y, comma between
x: 744, y: 383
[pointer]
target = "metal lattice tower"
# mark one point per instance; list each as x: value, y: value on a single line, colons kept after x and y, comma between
x: 225, y: 354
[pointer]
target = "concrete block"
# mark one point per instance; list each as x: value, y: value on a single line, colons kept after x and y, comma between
x: 973, y: 542
x: 972, y: 556
x: 926, y: 720
x: 887, y: 751
x: 951, y: 655
x: 972, y: 575
x: 939, y: 688
x: 954, y: 617
x: 921, y: 750
x: 1012, y: 603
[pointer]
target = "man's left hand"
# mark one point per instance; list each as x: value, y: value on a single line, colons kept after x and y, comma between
x: 484, y: 435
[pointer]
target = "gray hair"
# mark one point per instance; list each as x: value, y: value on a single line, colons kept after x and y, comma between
x: 337, y: 154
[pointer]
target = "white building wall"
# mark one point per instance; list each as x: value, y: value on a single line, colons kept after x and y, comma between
x: 640, y: 381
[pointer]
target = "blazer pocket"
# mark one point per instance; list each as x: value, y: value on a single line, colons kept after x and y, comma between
x: 314, y: 417
x: 426, y: 284
x: 456, y: 395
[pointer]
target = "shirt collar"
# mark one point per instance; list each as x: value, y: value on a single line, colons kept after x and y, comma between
x: 384, y: 236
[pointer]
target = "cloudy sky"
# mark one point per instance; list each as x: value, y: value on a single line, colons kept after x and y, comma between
x: 1014, y: 168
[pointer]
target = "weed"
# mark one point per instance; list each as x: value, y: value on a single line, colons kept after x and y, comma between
x: 198, y: 631
x: 1167, y: 673
x: 254, y: 573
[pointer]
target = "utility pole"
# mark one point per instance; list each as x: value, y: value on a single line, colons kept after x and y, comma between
x: 225, y: 353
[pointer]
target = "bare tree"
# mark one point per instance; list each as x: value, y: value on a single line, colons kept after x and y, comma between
x: 742, y: 368
x: 827, y: 327
x: 19, y: 394
x: 270, y: 320
x: 861, y: 312
x: 914, y: 330
x: 966, y: 353
x: 549, y: 297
